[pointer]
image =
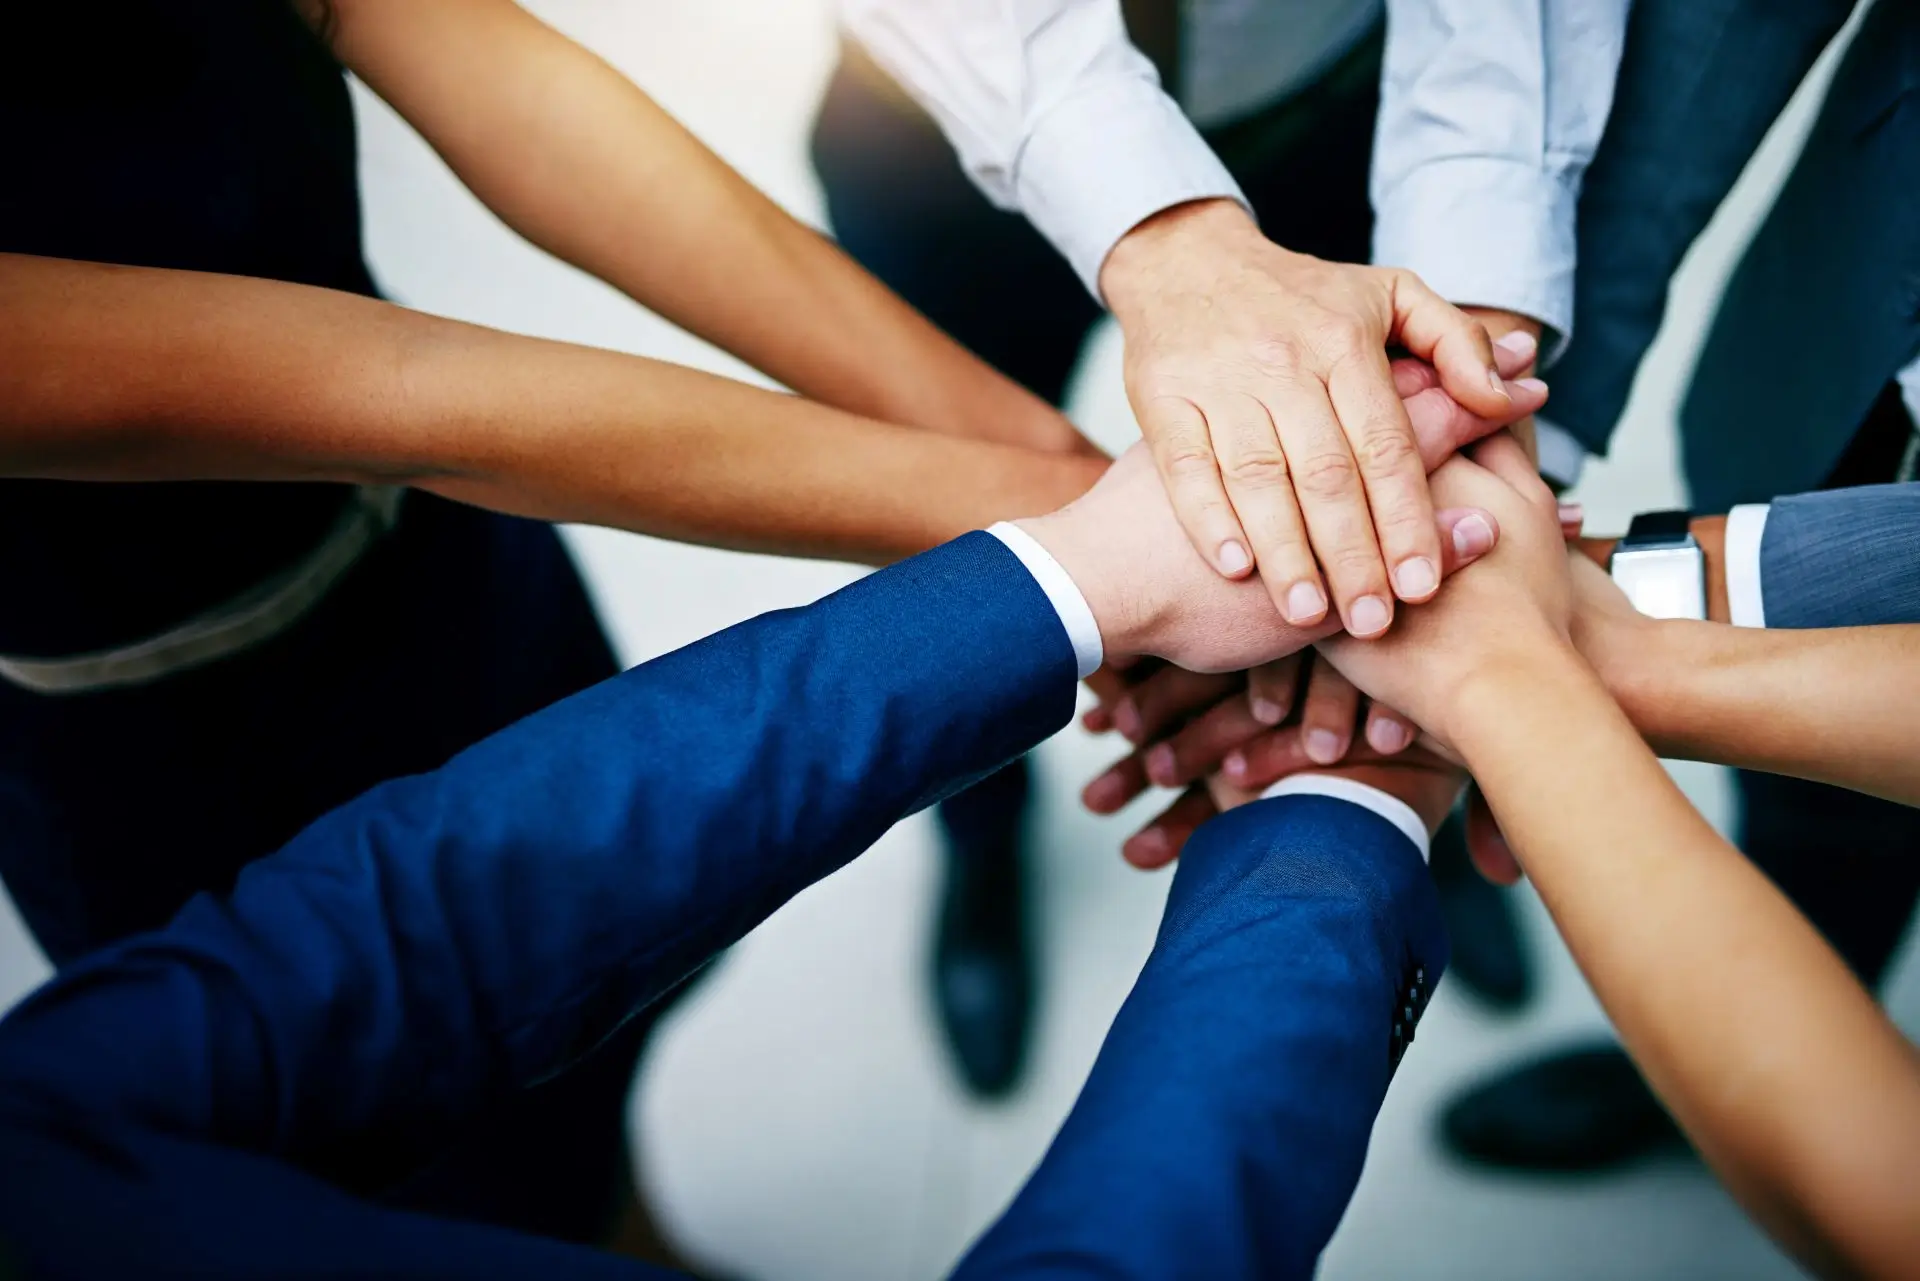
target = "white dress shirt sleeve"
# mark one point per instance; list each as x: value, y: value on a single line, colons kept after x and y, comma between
x: 1052, y: 110
x: 1490, y: 111
x: 1562, y: 456
x: 1386, y: 805
x: 1746, y: 527
x: 1062, y: 593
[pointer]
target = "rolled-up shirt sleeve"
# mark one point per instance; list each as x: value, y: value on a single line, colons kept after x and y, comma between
x: 1490, y: 112
x: 1052, y: 110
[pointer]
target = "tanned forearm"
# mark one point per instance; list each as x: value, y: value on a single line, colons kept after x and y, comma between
x: 117, y: 373
x: 1812, y: 704
x: 576, y: 159
x: 1779, y: 1066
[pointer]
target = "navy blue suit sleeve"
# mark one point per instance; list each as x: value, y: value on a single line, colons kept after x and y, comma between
x: 1226, y: 1120
x: 1843, y: 558
x: 448, y: 938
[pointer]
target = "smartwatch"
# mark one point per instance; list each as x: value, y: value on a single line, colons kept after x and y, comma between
x: 1660, y: 567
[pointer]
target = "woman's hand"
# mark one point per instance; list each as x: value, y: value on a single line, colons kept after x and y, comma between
x: 1518, y: 601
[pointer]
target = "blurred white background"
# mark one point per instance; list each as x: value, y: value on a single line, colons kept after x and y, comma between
x: 798, y: 1119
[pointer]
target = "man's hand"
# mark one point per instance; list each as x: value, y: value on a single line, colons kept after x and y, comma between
x: 1261, y: 381
x: 1152, y: 595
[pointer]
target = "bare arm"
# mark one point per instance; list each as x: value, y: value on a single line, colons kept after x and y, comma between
x: 1779, y: 1066
x: 1816, y: 704
x: 120, y: 373
x: 579, y: 161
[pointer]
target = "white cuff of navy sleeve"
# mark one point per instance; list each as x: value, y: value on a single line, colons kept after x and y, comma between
x: 1105, y: 160
x: 1062, y: 593
x: 1391, y: 808
x: 1746, y: 526
x: 1562, y: 456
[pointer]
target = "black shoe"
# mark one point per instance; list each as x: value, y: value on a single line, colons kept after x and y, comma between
x: 1487, y: 953
x: 982, y: 959
x: 1575, y: 1112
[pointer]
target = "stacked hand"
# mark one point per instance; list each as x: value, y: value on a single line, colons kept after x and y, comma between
x: 1186, y: 724
x: 1261, y: 381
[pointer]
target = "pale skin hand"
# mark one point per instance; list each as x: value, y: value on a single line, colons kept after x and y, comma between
x: 1186, y: 725
x: 1152, y: 595
x: 1260, y: 378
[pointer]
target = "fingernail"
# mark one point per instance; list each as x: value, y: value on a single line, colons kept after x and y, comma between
x: 1233, y: 558
x: 1388, y: 735
x: 1323, y: 745
x: 1103, y: 793
x: 1148, y: 845
x: 1473, y: 536
x: 1368, y: 616
x: 1519, y: 344
x: 1415, y: 578
x: 1235, y: 765
x: 1305, y: 604
x: 1126, y: 719
x: 1268, y: 712
x: 1160, y: 765
x: 1498, y: 384
x: 1533, y: 385
x: 1572, y: 513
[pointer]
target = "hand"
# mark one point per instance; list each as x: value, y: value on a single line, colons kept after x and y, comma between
x: 1261, y: 381
x: 1244, y: 732
x: 1425, y: 782
x: 1521, y: 601
x: 1499, y: 323
x: 1151, y: 594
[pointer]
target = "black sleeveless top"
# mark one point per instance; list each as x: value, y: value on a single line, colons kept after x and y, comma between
x: 211, y: 135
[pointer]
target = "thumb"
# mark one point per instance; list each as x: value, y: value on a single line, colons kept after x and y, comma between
x: 1442, y: 426
x: 1466, y: 534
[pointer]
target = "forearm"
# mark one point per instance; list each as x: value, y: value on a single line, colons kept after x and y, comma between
x: 133, y: 374
x: 1730, y: 1002
x: 1812, y: 704
x: 578, y: 160
x: 448, y: 938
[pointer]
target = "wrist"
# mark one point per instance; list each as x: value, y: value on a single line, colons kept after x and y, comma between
x: 1708, y: 531
x: 1125, y: 615
x: 1479, y: 695
x: 1142, y: 256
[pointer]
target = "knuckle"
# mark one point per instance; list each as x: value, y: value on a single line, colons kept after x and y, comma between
x: 1187, y: 461
x: 1355, y: 563
x: 1343, y: 334
x: 1326, y: 476
x: 1277, y: 355
x: 1386, y: 452
x: 1258, y: 469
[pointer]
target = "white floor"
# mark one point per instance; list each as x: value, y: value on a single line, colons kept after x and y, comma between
x: 798, y: 1120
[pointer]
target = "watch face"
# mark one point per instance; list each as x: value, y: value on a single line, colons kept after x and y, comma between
x: 1663, y: 582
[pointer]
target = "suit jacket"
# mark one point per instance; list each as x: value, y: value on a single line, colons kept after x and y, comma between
x: 1843, y: 558
x: 1821, y: 311
x: 219, y: 1098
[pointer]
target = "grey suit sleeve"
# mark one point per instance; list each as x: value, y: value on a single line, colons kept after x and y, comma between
x: 1843, y: 558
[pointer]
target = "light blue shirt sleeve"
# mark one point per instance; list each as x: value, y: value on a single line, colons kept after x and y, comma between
x: 1490, y: 112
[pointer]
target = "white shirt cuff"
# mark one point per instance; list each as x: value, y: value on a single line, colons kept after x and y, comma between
x: 1105, y: 160
x: 1562, y: 456
x: 1389, y: 807
x: 1486, y: 232
x: 1062, y: 593
x: 1746, y: 526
